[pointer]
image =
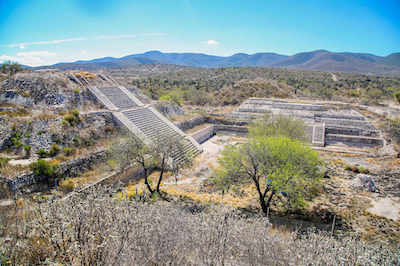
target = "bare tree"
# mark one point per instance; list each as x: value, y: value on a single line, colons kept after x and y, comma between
x: 163, y: 154
x: 10, y: 68
x: 169, y: 155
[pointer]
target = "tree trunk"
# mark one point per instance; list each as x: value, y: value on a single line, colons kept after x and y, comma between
x: 270, y: 199
x: 261, y: 197
x: 264, y: 206
x: 146, y: 181
x: 161, y: 175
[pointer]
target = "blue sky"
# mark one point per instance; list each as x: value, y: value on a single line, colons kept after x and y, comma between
x: 37, y: 32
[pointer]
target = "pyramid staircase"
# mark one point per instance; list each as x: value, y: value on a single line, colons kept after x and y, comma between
x: 145, y: 122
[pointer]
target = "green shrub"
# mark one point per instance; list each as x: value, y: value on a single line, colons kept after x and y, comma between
x: 27, y: 149
x: 16, y: 139
x: 88, y: 142
x: 68, y: 151
x: 42, y: 153
x: 64, y: 123
x: 75, y: 113
x: 174, y: 97
x: 4, y: 162
x: 354, y: 93
x: 72, y: 118
x: 356, y: 169
x: 44, y: 168
x: 363, y: 170
x: 54, y: 150
x: 396, y: 96
x: 198, y: 97
x: 77, y: 141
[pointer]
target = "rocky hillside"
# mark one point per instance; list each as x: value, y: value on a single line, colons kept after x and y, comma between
x: 224, y: 86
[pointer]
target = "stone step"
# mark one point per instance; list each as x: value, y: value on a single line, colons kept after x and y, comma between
x: 355, y: 140
x: 118, y: 97
x: 156, y: 129
x: 145, y: 122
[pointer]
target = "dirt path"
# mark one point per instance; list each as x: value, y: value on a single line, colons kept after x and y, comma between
x: 202, y: 167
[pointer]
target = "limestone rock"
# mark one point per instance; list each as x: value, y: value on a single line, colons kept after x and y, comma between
x: 169, y: 109
x: 363, y: 182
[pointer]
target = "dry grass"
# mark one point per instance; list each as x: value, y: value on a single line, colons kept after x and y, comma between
x: 46, y: 116
x: 85, y: 74
x: 69, y: 184
x: 12, y: 171
x: 197, y: 128
x: 245, y: 201
x: 98, y: 230
x: 181, y: 118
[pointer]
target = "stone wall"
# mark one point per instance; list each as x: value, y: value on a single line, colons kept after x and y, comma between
x: 29, y: 182
x: 191, y: 123
x: 12, y: 97
x: 223, y: 121
x: 345, y: 122
x: 359, y: 141
x: 240, y: 130
x: 351, y: 131
x: 204, y: 134
x: 168, y: 109
x: 42, y: 133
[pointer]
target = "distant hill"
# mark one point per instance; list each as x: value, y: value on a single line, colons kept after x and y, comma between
x: 320, y: 60
x: 392, y: 59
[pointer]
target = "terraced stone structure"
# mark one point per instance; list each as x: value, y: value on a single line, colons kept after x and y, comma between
x: 325, y: 126
x: 144, y: 121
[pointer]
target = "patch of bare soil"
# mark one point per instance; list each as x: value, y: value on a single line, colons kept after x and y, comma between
x: 386, y: 207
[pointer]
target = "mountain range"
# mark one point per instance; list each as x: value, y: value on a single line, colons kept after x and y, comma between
x: 319, y: 60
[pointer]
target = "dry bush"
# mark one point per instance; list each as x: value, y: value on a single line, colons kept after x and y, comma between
x: 97, y: 229
x: 46, y: 116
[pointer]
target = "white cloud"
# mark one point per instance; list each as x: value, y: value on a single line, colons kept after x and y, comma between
x: 7, y: 58
x: 112, y: 37
x: 100, y: 37
x: 212, y: 42
x: 33, y: 58
x: 36, y: 53
x: 24, y: 44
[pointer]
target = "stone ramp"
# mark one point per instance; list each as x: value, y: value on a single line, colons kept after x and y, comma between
x: 115, y: 98
x: 318, y: 135
x: 145, y: 122
x: 119, y: 98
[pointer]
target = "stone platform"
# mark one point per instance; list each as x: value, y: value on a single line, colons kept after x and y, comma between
x: 325, y: 126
